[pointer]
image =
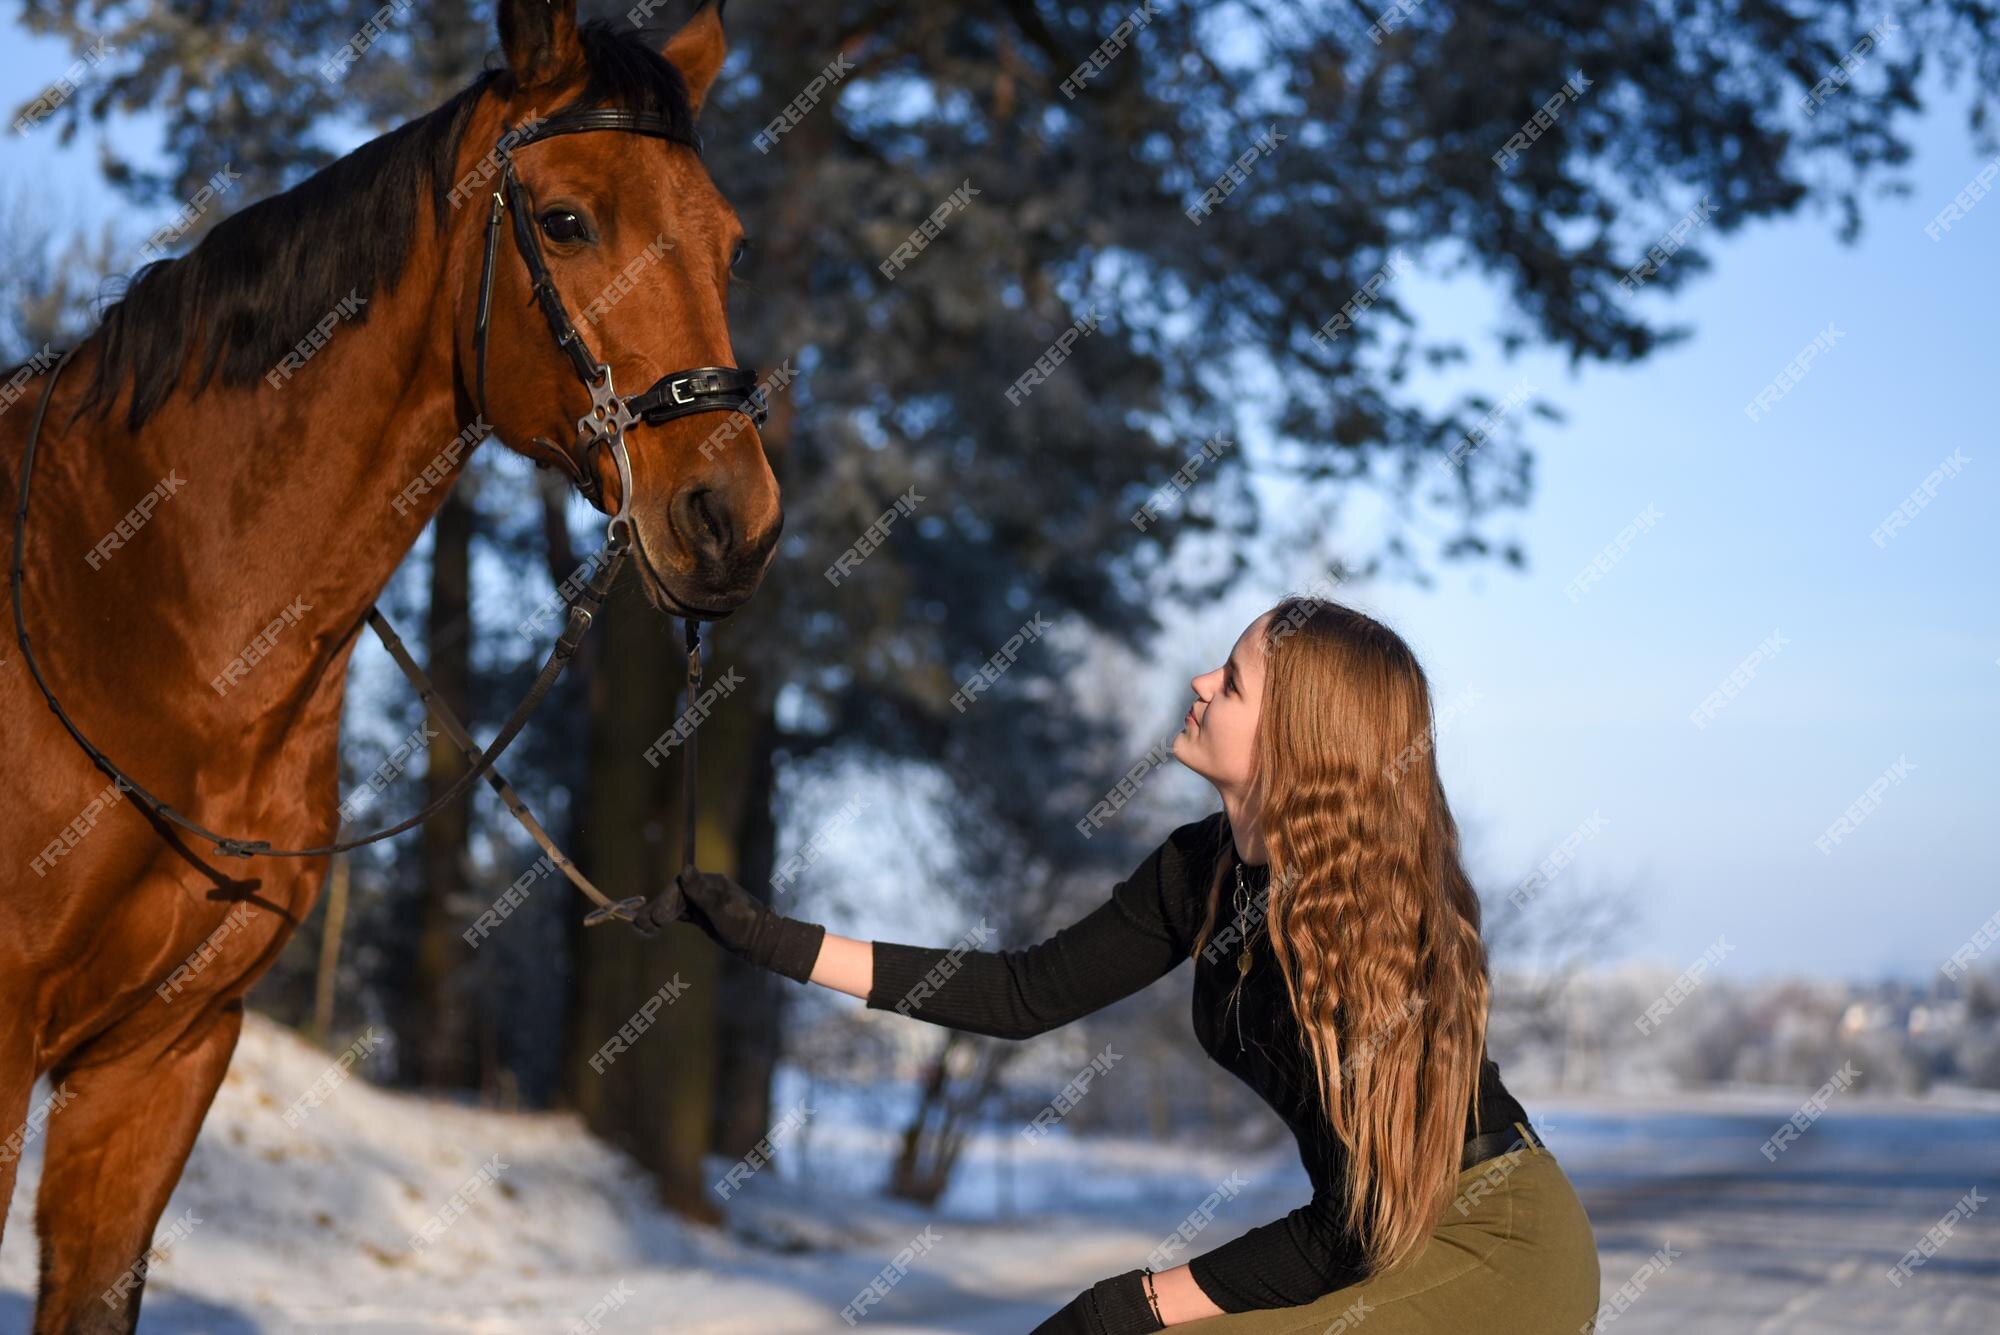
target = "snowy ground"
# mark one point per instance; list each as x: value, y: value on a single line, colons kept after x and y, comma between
x: 309, y: 1228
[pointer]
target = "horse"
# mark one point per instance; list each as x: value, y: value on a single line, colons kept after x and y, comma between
x: 240, y: 455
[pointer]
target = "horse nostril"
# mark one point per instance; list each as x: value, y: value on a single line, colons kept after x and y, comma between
x: 703, y: 522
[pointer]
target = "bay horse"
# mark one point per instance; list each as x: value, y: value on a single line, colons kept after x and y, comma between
x: 266, y: 423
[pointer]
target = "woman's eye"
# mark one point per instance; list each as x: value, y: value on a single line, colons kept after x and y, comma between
x: 562, y: 225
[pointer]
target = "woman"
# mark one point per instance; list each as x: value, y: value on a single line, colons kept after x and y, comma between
x: 1338, y: 972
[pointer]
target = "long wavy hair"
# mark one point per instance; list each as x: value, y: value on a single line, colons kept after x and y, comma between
x: 1373, y: 922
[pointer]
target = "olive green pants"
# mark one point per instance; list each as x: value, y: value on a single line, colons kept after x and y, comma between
x: 1518, y: 1258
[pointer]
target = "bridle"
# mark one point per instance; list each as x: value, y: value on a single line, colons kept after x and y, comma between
x: 679, y: 394
x: 700, y: 389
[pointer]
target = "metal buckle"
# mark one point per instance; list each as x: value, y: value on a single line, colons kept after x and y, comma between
x: 609, y: 415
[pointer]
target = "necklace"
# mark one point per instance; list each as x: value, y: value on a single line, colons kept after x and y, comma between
x: 1242, y: 901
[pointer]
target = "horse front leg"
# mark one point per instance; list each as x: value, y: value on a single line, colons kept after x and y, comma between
x: 113, y: 1156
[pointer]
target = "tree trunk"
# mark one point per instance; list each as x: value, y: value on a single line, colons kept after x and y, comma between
x: 658, y: 997
x: 445, y: 1060
x: 753, y: 1000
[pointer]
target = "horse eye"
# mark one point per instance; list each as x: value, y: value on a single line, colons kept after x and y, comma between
x: 562, y: 225
x: 736, y: 258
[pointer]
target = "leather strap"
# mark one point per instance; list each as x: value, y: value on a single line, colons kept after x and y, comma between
x: 581, y: 612
x: 1493, y: 1144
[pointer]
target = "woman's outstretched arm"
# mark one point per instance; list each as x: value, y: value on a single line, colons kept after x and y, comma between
x: 845, y: 965
x: 1137, y: 935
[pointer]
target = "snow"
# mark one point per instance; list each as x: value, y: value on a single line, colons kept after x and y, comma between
x: 308, y: 1224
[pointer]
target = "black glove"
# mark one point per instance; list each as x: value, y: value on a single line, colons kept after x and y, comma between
x: 1114, y: 1306
x: 741, y: 924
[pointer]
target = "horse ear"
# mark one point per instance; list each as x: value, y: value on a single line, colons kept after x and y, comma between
x: 539, y: 38
x: 697, y: 51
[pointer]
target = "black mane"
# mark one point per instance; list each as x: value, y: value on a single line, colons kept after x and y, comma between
x: 261, y: 278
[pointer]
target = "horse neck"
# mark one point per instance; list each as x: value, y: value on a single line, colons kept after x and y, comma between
x: 278, y: 512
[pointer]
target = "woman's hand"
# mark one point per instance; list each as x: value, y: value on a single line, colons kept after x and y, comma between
x: 740, y: 923
x: 1114, y: 1306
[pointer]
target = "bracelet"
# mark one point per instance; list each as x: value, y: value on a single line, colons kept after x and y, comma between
x: 1154, y: 1298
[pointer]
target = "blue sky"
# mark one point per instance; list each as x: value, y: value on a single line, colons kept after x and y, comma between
x: 1567, y: 709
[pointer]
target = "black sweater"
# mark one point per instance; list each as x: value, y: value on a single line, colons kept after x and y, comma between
x: 1144, y: 931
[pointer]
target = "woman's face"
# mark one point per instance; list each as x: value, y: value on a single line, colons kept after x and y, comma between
x: 1219, y: 734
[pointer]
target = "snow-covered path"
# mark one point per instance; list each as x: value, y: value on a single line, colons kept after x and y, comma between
x: 318, y: 1223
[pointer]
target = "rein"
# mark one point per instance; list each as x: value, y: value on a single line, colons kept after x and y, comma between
x: 678, y: 394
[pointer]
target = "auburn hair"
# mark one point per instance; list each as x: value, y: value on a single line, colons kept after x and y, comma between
x: 1373, y: 922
